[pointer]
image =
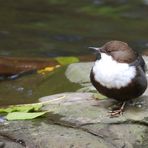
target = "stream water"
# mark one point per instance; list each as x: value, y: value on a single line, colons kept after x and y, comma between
x: 50, y: 28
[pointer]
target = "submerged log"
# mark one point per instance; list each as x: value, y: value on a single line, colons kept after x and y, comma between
x: 14, y: 65
x: 10, y: 66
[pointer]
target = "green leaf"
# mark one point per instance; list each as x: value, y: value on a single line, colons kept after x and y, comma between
x: 26, y: 111
x: 21, y: 108
x: 67, y: 60
x: 23, y: 115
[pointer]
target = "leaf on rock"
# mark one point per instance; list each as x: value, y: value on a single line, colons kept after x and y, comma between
x: 23, y: 115
x: 21, y: 108
x: 67, y: 60
x: 27, y: 111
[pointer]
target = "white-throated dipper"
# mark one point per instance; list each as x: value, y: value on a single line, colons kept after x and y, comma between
x: 118, y: 73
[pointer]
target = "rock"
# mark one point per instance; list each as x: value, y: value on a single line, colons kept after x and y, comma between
x: 79, y: 72
x: 79, y: 120
x: 146, y: 60
x: 81, y: 111
x: 46, y: 134
x: 2, y: 144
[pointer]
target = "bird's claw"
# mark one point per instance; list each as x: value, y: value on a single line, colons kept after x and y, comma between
x: 116, y: 113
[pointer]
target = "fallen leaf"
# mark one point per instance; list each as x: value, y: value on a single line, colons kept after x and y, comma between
x: 46, y: 69
x: 21, y: 108
x: 67, y: 60
x: 27, y: 111
x: 23, y: 115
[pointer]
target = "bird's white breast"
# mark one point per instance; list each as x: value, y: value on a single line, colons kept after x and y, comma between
x: 112, y: 74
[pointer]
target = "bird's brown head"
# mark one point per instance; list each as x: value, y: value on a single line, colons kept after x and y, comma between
x: 120, y: 51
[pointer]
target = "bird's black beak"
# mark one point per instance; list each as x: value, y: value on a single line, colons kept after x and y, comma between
x: 97, y: 52
x: 98, y: 49
x: 95, y: 49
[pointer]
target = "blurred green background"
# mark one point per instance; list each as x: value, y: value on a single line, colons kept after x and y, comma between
x: 50, y: 28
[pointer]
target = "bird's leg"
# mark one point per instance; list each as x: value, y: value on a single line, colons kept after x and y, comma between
x: 118, y: 112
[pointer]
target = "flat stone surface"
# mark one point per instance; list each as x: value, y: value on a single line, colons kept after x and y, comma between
x: 79, y: 72
x: 79, y: 120
x: 82, y: 111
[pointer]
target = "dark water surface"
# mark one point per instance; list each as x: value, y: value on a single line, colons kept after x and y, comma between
x: 47, y: 28
x: 50, y: 28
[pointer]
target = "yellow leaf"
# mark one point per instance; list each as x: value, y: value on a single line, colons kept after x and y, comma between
x: 48, y: 69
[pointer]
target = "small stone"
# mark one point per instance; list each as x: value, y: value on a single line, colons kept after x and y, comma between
x: 139, y: 105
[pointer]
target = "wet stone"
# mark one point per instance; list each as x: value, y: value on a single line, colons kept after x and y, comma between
x: 2, y: 144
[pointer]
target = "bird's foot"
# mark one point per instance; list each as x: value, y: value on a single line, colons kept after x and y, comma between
x: 118, y: 112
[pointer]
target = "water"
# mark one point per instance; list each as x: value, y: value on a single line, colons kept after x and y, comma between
x: 49, y: 28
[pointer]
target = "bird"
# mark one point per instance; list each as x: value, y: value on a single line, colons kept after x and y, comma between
x: 118, y: 73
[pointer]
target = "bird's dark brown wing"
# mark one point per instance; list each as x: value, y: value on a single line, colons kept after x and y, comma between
x: 139, y: 62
